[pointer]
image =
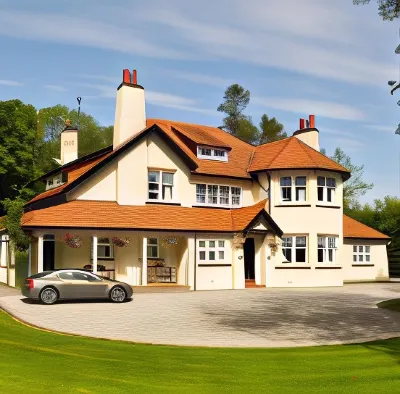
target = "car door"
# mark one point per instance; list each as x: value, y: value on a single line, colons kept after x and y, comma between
x: 74, y: 285
x: 97, y: 288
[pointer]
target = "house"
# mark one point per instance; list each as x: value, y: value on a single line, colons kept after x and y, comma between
x: 191, y: 205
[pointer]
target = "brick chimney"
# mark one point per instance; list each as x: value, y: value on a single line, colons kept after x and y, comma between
x: 130, y: 114
x: 69, y: 143
x: 308, y: 133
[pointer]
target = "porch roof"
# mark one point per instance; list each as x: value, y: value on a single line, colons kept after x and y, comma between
x: 111, y: 215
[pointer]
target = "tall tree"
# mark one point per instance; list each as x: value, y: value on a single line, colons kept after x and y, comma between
x: 355, y: 186
x: 388, y: 9
x: 271, y: 130
x: 17, y: 146
x: 236, y: 100
x: 248, y: 131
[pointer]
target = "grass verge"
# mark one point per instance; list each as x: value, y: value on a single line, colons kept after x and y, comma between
x: 35, y: 361
x: 393, y: 305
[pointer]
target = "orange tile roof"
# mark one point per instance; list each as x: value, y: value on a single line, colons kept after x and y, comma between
x: 291, y: 153
x: 100, y: 214
x: 354, y: 229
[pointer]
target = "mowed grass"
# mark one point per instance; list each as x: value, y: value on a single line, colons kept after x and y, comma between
x: 34, y: 361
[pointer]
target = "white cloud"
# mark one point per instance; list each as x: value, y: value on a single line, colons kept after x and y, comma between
x: 56, y: 88
x: 324, y: 109
x: 6, y: 82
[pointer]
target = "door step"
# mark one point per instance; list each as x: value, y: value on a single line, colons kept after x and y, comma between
x: 251, y: 284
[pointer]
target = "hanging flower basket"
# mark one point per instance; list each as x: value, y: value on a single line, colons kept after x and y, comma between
x: 238, y: 240
x: 273, y: 246
x: 169, y: 242
x: 73, y: 240
x: 120, y: 242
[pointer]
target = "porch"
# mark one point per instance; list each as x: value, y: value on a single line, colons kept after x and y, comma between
x: 137, y: 258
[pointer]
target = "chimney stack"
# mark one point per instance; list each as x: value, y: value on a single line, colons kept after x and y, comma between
x: 130, y: 114
x: 308, y: 133
x: 69, y: 143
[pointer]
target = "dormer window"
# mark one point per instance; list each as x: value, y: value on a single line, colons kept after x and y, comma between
x: 204, y: 152
x: 56, y: 180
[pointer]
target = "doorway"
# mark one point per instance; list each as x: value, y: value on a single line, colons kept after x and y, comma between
x: 48, y: 252
x: 249, y: 258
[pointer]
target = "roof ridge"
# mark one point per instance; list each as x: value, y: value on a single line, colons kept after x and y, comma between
x: 251, y: 158
x: 307, y: 153
x: 281, y: 150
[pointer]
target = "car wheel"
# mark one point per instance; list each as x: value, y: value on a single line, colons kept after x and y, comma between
x: 48, y: 295
x: 118, y: 294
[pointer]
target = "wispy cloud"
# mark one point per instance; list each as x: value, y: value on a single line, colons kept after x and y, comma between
x: 321, y: 108
x: 56, y: 88
x: 387, y: 129
x: 6, y: 82
x: 201, y: 79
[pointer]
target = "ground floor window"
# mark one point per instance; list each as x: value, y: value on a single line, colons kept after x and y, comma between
x: 361, y: 254
x: 327, y: 247
x: 295, y: 248
x: 211, y: 250
x: 104, y: 249
x: 152, y: 248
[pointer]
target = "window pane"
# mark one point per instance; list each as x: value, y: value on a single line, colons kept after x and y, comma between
x: 168, y: 178
x: 219, y: 153
x: 211, y: 244
x: 300, y: 194
x: 361, y: 249
x: 154, y: 176
x: 287, y: 242
x: 212, y: 194
x: 360, y: 257
x: 236, y: 193
x: 167, y: 193
x: 288, y: 254
x: 330, y: 194
x: 153, y: 196
x: 321, y: 181
x: 300, y: 180
x: 205, y: 151
x: 368, y: 249
x: 152, y: 241
x: 301, y: 255
x: 221, y: 244
x: 211, y: 255
x: 202, y: 244
x: 354, y: 257
x: 331, y: 242
x: 320, y: 255
x: 286, y: 193
x: 202, y: 255
x: 320, y: 194
x: 330, y: 255
x: 224, y: 195
x: 321, y: 242
x: 286, y: 181
x: 152, y: 251
x: 367, y: 257
x: 354, y: 248
x: 331, y: 182
x: 301, y: 241
x: 201, y: 193
x: 221, y: 255
x: 153, y: 186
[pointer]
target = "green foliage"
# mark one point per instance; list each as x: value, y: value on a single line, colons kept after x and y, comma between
x: 271, y: 130
x: 247, y: 131
x: 12, y: 222
x: 355, y: 186
x: 388, y: 9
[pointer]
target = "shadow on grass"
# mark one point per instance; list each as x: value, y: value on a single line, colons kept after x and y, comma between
x: 390, y: 347
x: 393, y: 305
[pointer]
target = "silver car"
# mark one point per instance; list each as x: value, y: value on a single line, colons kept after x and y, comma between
x: 72, y: 284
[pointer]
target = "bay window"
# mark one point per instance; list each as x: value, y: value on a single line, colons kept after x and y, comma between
x: 361, y: 254
x: 326, y: 189
x: 161, y: 185
x: 293, y: 191
x: 294, y: 248
x: 211, y: 250
x: 219, y: 195
x: 327, y: 247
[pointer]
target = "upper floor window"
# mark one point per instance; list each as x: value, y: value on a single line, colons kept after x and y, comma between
x: 327, y: 247
x: 361, y: 254
x: 56, y: 180
x: 161, y: 185
x: 228, y: 196
x: 294, y: 248
x: 211, y: 250
x: 293, y: 191
x: 326, y: 189
x: 204, y: 152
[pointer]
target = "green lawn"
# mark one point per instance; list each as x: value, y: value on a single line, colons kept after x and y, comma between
x: 393, y: 305
x: 33, y: 361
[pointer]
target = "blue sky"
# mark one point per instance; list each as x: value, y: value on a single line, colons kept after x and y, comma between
x: 329, y: 58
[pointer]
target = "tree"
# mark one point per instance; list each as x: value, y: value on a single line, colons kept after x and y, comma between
x: 248, y: 131
x: 271, y: 130
x: 355, y: 186
x: 388, y: 9
x: 236, y: 100
x: 17, y: 146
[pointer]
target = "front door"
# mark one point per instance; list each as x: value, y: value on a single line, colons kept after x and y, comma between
x: 249, y: 254
x: 48, y: 255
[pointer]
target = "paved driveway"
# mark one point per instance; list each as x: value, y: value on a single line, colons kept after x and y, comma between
x: 243, y: 318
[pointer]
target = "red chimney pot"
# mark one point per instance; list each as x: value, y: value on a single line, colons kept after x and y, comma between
x: 312, y: 121
x: 134, y: 77
x: 126, y: 76
x: 302, y: 123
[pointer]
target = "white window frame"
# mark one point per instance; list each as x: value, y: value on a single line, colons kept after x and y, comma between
x: 206, y: 249
x: 326, y: 247
x: 160, y: 184
x: 212, y: 155
x: 325, y: 188
x: 109, y: 243
x: 361, y: 251
x: 294, y: 246
x: 293, y: 187
x: 156, y: 244
x: 231, y: 196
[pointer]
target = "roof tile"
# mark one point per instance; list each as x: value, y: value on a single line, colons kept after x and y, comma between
x: 354, y: 229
